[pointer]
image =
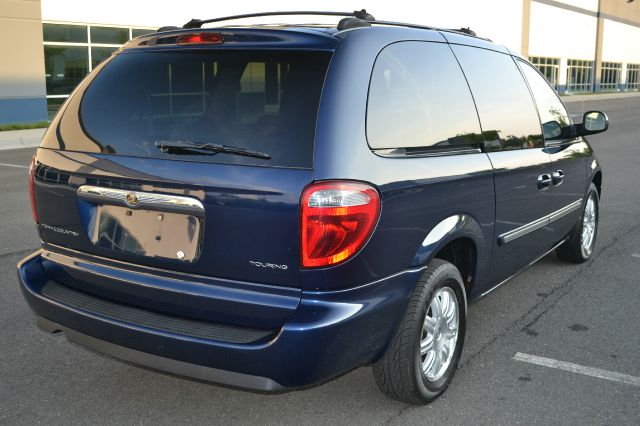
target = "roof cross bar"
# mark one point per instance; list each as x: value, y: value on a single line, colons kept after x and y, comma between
x: 360, y: 14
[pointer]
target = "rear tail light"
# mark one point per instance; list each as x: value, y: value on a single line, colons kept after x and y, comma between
x: 32, y: 193
x: 200, y: 38
x: 337, y: 220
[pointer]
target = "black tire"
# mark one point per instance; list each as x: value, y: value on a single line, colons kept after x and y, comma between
x: 399, y: 373
x: 573, y: 250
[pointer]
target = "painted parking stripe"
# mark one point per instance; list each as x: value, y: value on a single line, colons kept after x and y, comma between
x: 576, y: 368
x: 17, y: 166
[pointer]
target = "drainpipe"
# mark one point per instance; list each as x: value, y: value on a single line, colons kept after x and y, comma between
x: 526, y: 23
x: 597, y: 63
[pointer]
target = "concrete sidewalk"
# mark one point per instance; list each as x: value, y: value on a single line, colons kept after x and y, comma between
x: 599, y: 96
x: 15, y: 139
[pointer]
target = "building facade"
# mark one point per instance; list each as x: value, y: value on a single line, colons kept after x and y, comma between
x: 584, y: 45
x: 579, y: 45
x: 22, y: 87
x: 71, y: 50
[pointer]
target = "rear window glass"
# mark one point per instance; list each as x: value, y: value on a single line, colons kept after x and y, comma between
x: 265, y: 102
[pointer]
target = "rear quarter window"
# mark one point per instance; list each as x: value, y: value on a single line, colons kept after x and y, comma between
x: 260, y: 101
x: 419, y: 99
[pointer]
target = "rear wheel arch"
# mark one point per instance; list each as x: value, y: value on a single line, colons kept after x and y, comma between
x: 458, y: 240
x: 463, y: 254
x: 597, y: 181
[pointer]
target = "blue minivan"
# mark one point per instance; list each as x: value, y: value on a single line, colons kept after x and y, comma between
x: 271, y: 206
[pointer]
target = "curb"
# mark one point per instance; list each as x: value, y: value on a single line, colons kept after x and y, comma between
x: 598, y: 97
x: 16, y: 139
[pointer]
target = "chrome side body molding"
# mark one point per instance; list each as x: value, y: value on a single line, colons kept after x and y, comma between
x: 538, y: 223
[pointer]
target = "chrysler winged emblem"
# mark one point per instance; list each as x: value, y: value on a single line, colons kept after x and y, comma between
x: 132, y: 198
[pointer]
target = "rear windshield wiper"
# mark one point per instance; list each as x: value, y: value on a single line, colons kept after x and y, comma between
x: 194, y: 148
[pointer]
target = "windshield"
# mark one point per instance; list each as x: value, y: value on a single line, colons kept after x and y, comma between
x: 262, y: 101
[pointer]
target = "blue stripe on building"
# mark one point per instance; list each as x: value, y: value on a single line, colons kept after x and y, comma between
x: 23, y: 110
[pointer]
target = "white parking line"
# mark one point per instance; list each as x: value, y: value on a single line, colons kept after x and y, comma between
x: 17, y: 166
x: 576, y: 368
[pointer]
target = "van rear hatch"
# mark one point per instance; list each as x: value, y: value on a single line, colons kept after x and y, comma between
x: 187, y: 157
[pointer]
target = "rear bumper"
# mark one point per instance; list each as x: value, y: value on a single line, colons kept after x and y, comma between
x: 328, y: 334
x: 168, y: 365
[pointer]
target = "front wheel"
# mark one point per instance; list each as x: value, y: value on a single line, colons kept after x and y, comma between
x: 579, y: 246
x: 422, y: 357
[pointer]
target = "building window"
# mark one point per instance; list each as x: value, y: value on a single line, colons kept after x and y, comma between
x: 53, y: 105
x: 549, y: 67
x: 579, y: 76
x: 64, y: 33
x: 100, y: 53
x: 633, y: 77
x: 71, y: 51
x: 610, y: 77
x: 137, y: 32
x: 107, y: 35
x: 65, y: 67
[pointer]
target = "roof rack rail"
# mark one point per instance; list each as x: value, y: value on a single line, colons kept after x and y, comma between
x: 167, y: 28
x: 465, y: 31
x: 355, y: 19
x: 360, y: 14
x: 351, y: 22
x: 404, y: 24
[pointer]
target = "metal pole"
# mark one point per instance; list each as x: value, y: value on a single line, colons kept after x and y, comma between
x: 597, y: 63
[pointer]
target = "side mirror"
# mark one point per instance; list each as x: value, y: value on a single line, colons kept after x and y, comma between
x: 593, y: 122
x: 551, y: 130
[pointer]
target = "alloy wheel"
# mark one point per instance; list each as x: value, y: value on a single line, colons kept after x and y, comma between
x: 439, y: 333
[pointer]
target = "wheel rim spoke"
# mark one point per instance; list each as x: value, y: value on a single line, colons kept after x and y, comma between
x: 428, y: 362
x: 444, y: 354
x: 426, y: 346
x: 437, y: 363
x: 452, y: 332
x: 451, y: 310
x: 429, y: 325
x: 436, y: 307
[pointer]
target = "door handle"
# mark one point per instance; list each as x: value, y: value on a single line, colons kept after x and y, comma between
x: 544, y: 181
x: 557, y: 177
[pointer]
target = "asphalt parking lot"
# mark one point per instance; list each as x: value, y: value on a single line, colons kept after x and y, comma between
x: 586, y: 315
